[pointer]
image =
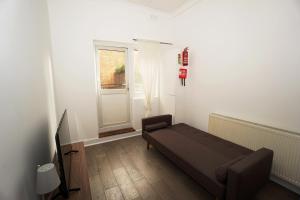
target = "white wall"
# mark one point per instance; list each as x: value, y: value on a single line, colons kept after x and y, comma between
x: 26, y: 123
x: 74, y: 26
x: 245, y: 61
x: 170, y: 88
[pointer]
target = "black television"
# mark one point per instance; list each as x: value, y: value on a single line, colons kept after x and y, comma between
x: 64, y: 153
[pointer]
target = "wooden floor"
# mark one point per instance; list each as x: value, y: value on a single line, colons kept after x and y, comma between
x: 124, y: 169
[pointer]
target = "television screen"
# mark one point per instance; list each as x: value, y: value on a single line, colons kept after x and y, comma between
x: 64, y: 147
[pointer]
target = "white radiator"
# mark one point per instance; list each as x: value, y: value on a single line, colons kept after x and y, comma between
x: 285, y: 144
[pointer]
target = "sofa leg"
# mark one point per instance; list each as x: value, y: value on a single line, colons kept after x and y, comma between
x: 148, y: 145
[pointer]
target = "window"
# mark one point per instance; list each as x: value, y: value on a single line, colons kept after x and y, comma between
x: 138, y: 81
x: 112, y: 68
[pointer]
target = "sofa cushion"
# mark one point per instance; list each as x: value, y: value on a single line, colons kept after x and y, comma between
x: 222, y: 171
x: 198, y: 153
x: 195, y: 159
x: 156, y: 126
x: 223, y: 147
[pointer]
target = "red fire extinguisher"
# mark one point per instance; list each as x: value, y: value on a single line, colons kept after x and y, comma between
x: 185, y: 62
x: 185, y: 57
x: 182, y: 75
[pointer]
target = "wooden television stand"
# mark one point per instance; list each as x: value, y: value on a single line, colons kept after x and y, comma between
x: 79, y: 177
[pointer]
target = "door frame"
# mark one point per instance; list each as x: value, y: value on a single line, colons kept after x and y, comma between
x: 128, y: 73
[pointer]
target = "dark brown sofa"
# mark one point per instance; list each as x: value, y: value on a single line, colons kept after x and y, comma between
x: 226, y: 170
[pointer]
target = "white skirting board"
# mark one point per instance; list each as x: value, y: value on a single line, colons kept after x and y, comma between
x: 285, y: 184
x: 96, y: 141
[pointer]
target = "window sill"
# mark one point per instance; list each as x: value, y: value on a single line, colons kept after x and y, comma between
x: 141, y: 97
x: 136, y: 97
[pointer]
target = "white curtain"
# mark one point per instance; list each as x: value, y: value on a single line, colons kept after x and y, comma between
x: 150, y: 62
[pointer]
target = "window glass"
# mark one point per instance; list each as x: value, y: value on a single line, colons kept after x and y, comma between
x: 112, y: 69
x: 138, y: 81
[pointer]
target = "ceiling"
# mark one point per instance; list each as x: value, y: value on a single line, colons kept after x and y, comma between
x: 163, y: 5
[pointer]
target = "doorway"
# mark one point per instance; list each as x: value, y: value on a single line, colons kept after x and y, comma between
x: 113, y: 88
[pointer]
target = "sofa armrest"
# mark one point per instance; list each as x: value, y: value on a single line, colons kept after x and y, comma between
x: 156, y: 119
x: 247, y: 176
